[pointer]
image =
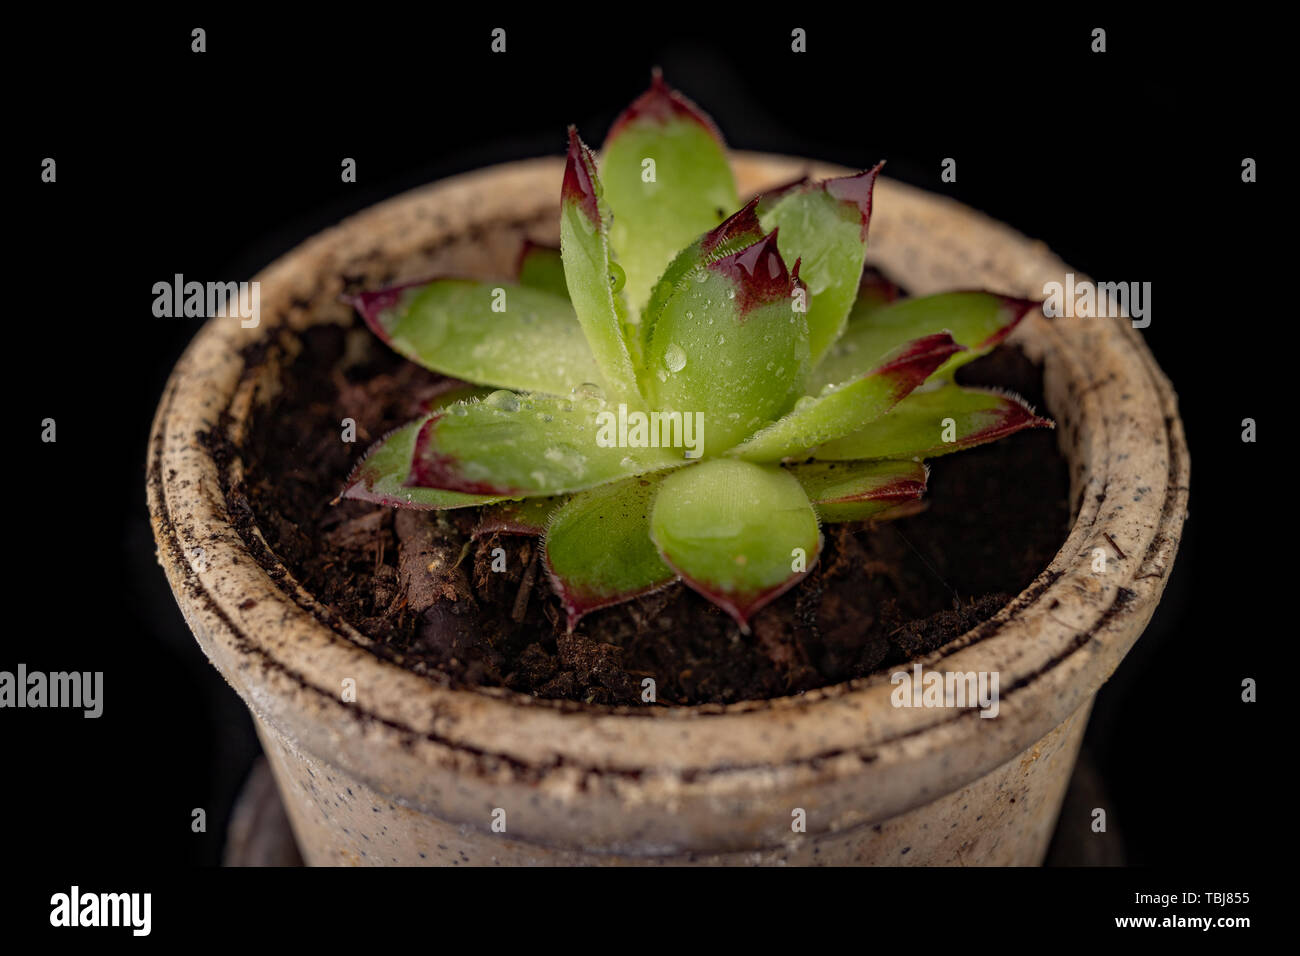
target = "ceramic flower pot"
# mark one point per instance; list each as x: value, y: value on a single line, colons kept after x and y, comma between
x: 379, y: 765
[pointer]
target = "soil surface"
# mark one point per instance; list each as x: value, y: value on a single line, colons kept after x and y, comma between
x: 425, y: 593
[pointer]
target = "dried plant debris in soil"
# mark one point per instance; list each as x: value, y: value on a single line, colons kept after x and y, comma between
x: 418, y: 586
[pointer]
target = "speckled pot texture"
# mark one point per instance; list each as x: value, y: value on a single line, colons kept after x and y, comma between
x: 413, y: 771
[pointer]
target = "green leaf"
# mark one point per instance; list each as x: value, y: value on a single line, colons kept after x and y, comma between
x: 740, y: 534
x: 498, y: 334
x: 381, y: 476
x: 977, y: 320
x: 856, y: 490
x: 598, y: 547
x: 825, y: 225
x: 667, y: 180
x: 541, y: 267
x: 730, y: 345
x: 519, y: 446
x: 843, y: 409
x: 735, y: 234
x: 593, y: 279
x: 936, y: 422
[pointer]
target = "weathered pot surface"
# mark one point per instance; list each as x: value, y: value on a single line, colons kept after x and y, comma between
x: 413, y: 771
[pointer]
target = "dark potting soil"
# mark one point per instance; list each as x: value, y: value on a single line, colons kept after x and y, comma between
x: 417, y: 585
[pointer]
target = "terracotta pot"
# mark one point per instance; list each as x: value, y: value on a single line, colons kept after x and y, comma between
x: 413, y: 772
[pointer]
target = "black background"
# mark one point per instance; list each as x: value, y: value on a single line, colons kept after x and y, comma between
x: 1128, y: 164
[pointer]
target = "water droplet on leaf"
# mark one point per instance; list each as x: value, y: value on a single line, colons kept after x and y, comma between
x: 503, y: 400
x: 617, y: 277
x: 590, y: 396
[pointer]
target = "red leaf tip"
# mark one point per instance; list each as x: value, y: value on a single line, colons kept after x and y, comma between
x: 758, y: 272
x: 578, y: 603
x: 739, y: 226
x: 1020, y: 414
x: 743, y: 606
x: 371, y: 305
x: 857, y: 190
x: 661, y: 104
x: 1016, y: 309
x: 579, y: 184
x: 922, y: 356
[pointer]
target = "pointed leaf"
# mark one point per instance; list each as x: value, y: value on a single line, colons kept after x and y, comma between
x: 936, y: 422
x: 381, y: 476
x: 842, y: 410
x: 489, y: 333
x: 736, y: 532
x: 541, y: 267
x: 593, y: 279
x: 856, y: 490
x: 977, y: 320
x: 735, y: 234
x: 598, y: 547
x: 731, y: 345
x: 825, y: 225
x: 518, y: 446
x: 667, y: 180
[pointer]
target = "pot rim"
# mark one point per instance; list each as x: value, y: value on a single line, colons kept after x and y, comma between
x: 1053, y: 645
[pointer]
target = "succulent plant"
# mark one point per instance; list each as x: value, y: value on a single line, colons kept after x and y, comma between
x: 684, y: 391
